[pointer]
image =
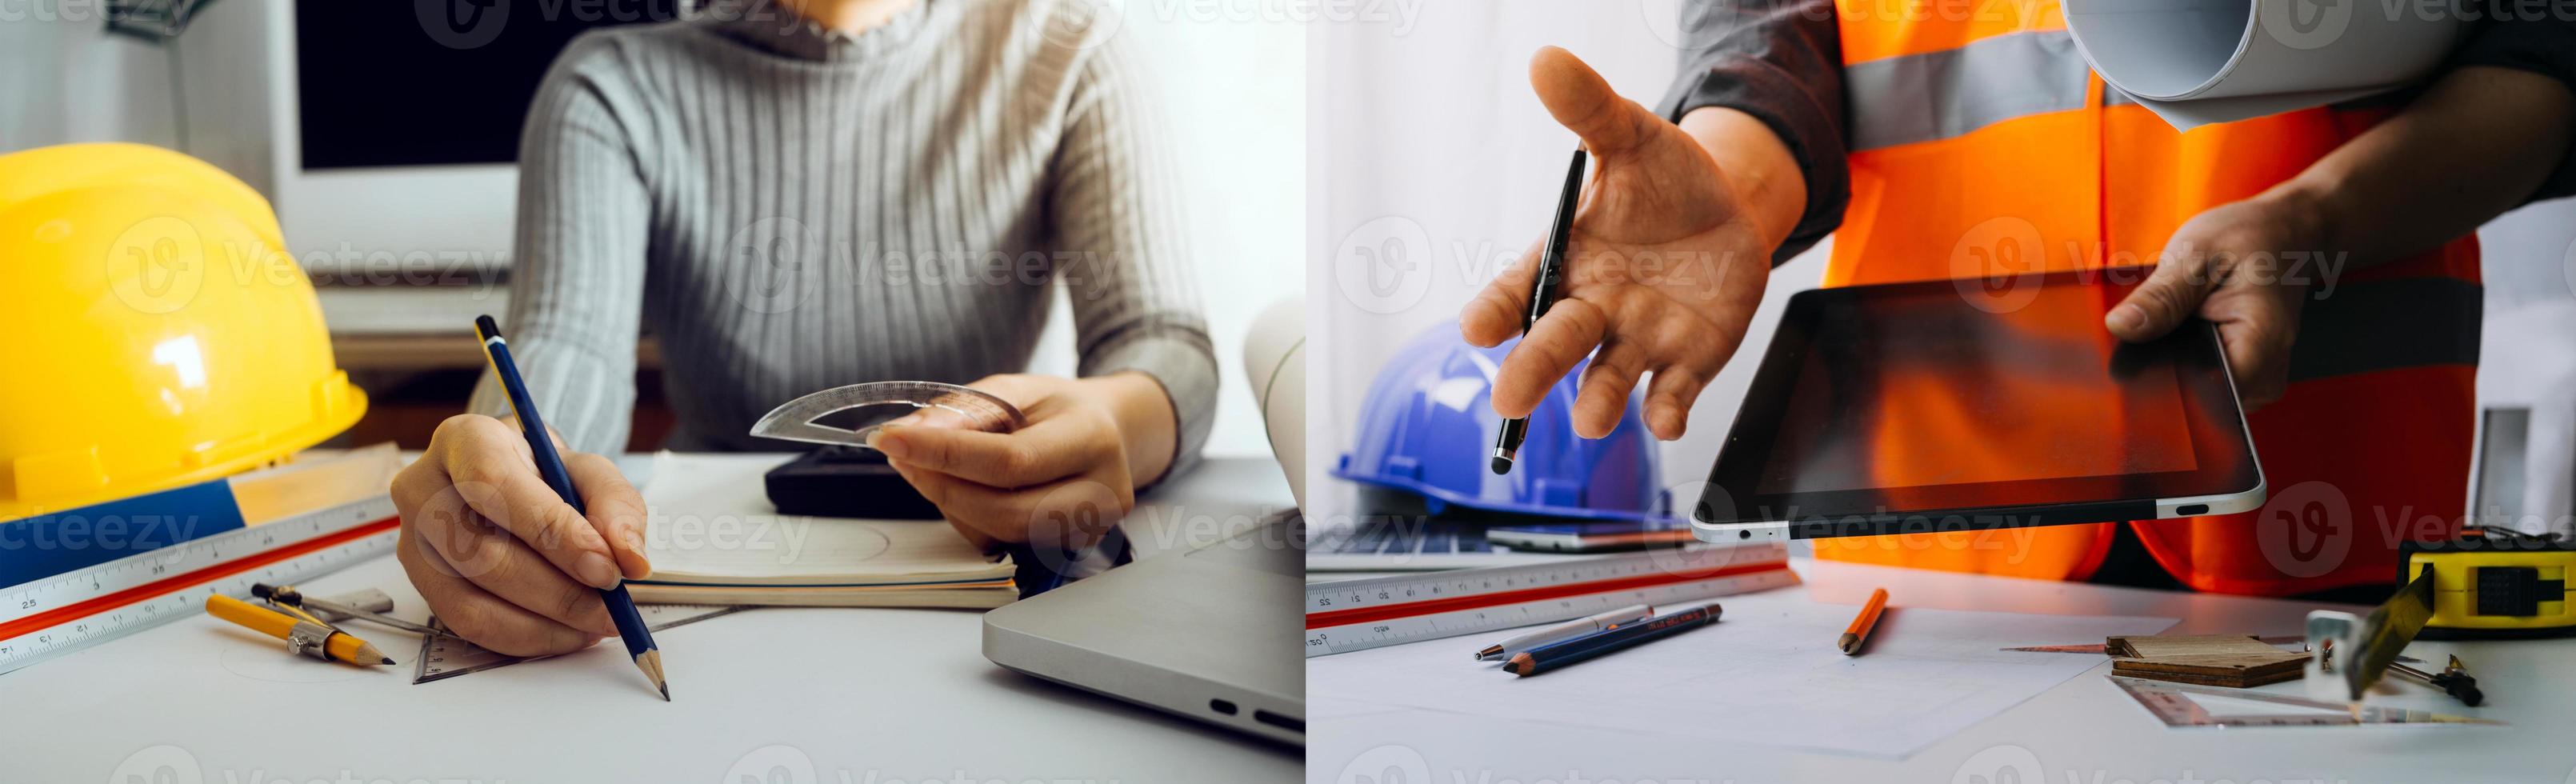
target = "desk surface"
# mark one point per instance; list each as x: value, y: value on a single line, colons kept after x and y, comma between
x: 2084, y: 730
x: 859, y: 695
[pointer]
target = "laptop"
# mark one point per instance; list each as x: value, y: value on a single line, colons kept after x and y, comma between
x: 1210, y: 634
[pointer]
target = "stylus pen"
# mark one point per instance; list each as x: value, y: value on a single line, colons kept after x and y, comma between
x: 1620, y: 638
x: 1551, y: 269
x: 1564, y: 631
x: 621, y: 608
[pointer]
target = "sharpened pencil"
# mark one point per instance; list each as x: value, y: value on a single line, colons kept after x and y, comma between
x: 1861, y: 625
x: 621, y: 607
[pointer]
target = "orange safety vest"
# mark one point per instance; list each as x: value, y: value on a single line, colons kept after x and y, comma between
x: 1982, y: 145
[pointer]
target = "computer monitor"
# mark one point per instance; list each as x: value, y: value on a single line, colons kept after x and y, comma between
x: 396, y: 136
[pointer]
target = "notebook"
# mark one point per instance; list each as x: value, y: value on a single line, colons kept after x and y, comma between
x: 714, y: 539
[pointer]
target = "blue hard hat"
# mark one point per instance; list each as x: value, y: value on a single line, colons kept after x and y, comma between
x: 1428, y: 428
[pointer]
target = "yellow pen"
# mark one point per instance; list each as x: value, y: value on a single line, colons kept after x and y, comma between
x: 304, y: 636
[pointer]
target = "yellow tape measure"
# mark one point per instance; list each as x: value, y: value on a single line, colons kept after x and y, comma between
x: 2492, y: 583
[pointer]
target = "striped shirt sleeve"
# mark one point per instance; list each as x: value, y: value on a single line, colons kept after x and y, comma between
x: 1123, y: 248
x: 577, y: 279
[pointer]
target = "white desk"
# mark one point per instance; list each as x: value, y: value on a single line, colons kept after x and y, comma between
x: 860, y: 695
x: 2084, y: 731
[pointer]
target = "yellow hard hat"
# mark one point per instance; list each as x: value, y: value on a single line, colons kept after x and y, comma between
x: 156, y: 333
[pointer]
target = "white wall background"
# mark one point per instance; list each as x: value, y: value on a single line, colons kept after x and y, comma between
x: 1234, y: 76
x: 1427, y: 141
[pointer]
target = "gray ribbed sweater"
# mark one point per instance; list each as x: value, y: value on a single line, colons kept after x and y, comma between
x: 790, y: 209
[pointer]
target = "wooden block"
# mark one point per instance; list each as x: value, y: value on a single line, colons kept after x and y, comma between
x: 2230, y: 660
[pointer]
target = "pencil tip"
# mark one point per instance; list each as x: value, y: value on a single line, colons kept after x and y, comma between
x: 666, y: 692
x: 389, y: 660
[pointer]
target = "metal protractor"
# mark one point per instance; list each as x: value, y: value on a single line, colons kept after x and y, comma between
x: 960, y: 406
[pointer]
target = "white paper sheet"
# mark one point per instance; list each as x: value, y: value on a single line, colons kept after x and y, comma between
x: 1767, y: 674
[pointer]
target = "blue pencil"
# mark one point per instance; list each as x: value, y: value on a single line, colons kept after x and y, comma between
x: 1611, y: 640
x: 621, y: 608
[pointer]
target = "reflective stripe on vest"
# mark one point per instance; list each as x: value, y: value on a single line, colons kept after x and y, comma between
x: 1939, y: 95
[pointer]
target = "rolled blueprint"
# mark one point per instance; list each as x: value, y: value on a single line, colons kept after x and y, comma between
x: 1274, y: 358
x: 2195, y: 62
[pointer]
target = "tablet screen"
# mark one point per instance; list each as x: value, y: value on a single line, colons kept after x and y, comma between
x: 1925, y: 393
x: 1926, y: 397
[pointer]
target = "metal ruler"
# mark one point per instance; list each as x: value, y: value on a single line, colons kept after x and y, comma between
x: 1352, y: 615
x: 58, y: 615
x: 443, y: 656
x: 2172, y: 704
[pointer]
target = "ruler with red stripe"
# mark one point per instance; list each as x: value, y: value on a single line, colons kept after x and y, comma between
x: 1351, y: 615
x: 57, y: 615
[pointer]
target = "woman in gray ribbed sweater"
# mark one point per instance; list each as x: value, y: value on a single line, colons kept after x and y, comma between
x: 804, y: 195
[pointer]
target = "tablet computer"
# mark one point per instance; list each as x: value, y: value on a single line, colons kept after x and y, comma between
x: 1954, y: 405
